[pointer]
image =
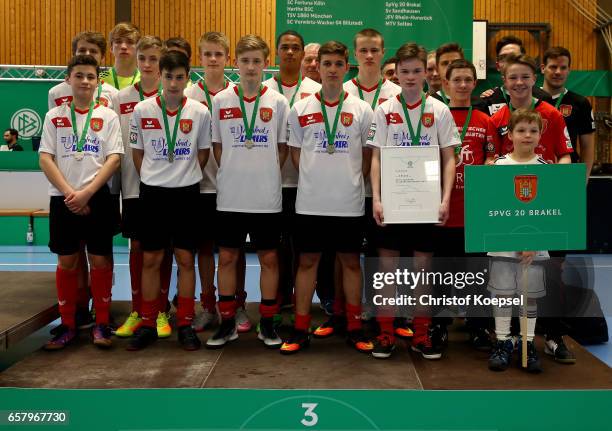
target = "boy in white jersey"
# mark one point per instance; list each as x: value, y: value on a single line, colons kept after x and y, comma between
x: 525, y: 131
x: 249, y: 141
x: 80, y: 149
x: 294, y: 86
x: 170, y: 139
x: 123, y: 39
x: 85, y: 43
x: 148, y: 52
x: 394, y: 124
x: 327, y: 137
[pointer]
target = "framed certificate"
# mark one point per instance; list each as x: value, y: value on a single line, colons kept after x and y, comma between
x: 410, y: 184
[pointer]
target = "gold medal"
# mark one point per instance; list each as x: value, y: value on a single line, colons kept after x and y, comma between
x: 248, y: 143
x: 331, y: 149
x: 78, y: 156
x: 171, y: 157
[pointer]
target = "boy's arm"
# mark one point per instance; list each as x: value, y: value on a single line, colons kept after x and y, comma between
x: 377, y: 208
x: 137, y: 156
x: 448, y: 181
x: 203, y: 157
x: 78, y: 199
x: 295, y: 157
x: 217, y: 150
x: 282, y: 153
x: 53, y: 174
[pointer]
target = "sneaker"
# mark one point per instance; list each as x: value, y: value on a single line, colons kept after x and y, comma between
x: 188, y: 338
x: 401, y: 328
x: 336, y: 324
x: 204, y: 320
x: 327, y: 305
x: 142, y: 337
x: 383, y: 346
x: 481, y: 339
x: 358, y: 340
x: 63, y: 337
x: 243, y: 323
x: 101, y: 335
x: 298, y: 340
x: 424, y: 346
x: 556, y: 348
x: 227, y: 332
x: 131, y: 324
x: 85, y: 319
x: 438, y: 333
x: 164, y: 330
x: 533, y: 361
x: 268, y: 334
x: 501, y: 356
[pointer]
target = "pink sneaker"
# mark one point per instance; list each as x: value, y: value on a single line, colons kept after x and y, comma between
x: 242, y: 321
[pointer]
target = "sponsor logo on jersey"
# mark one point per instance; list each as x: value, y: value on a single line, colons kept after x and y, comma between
x: 525, y: 187
x: 565, y: 110
x: 186, y: 125
x: 346, y: 118
x: 372, y: 132
x: 61, y: 100
x: 394, y: 118
x: 230, y: 113
x: 265, y: 114
x: 96, y: 124
x: 149, y: 123
x: 427, y: 119
x: 61, y: 122
x: 127, y: 108
x: 133, y: 137
x: 465, y: 156
x: 307, y: 120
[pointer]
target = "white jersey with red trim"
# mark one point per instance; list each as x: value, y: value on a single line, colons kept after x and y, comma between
x: 387, y: 91
x: 103, y: 137
x: 249, y: 179
x: 209, y: 174
x: 124, y: 103
x: 62, y: 94
x: 390, y: 128
x: 330, y: 184
x: 307, y: 88
x: 147, y: 133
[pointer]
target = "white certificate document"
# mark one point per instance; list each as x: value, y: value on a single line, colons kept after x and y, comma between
x: 411, y: 191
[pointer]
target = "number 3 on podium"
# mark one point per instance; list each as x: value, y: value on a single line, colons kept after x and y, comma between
x: 310, y: 417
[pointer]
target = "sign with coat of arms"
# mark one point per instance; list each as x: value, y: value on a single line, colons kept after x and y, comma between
x: 525, y: 207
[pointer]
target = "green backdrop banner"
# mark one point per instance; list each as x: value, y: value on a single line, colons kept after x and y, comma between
x: 430, y: 23
x: 525, y: 207
x: 216, y: 409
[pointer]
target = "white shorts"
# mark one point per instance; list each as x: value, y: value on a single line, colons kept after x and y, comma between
x: 506, y: 277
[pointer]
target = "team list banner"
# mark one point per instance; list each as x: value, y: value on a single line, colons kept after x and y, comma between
x: 430, y: 23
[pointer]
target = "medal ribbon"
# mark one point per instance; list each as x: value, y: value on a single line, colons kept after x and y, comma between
x: 378, y: 87
x: 207, y: 93
x: 116, y: 81
x: 464, y: 130
x: 414, y: 137
x: 248, y: 128
x: 99, y: 92
x: 444, y: 98
x: 559, y: 100
x: 171, y: 142
x: 297, y: 90
x: 331, y: 134
x: 81, y: 139
x: 141, y: 93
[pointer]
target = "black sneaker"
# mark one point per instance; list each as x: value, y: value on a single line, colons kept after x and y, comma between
x: 383, y: 346
x: 84, y: 319
x: 402, y: 329
x: 142, y: 337
x: 298, y: 340
x: 481, y: 339
x: 556, y: 348
x: 188, y: 338
x: 227, y: 332
x: 533, y: 361
x: 501, y: 356
x: 357, y: 339
x: 268, y: 334
x: 438, y: 333
x: 423, y: 345
x: 327, y: 305
x: 335, y: 325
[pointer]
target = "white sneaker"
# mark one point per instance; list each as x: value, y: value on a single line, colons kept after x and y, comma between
x: 227, y: 332
x: 243, y: 323
x: 204, y: 320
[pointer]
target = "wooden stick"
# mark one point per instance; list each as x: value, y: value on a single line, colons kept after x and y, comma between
x: 524, y: 283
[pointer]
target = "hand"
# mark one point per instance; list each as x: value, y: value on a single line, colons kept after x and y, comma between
x: 486, y: 93
x: 377, y: 211
x: 490, y: 160
x: 85, y: 211
x: 443, y: 213
x: 527, y: 257
x: 77, y: 200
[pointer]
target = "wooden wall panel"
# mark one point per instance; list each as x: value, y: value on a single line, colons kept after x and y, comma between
x: 568, y: 27
x: 191, y: 18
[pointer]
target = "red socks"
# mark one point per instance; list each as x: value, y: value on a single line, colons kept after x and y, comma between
x: 185, y: 311
x: 136, y: 280
x: 268, y: 311
x: 353, y: 316
x: 101, y: 285
x: 227, y: 309
x: 66, y: 282
x: 149, y: 313
x: 302, y: 322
